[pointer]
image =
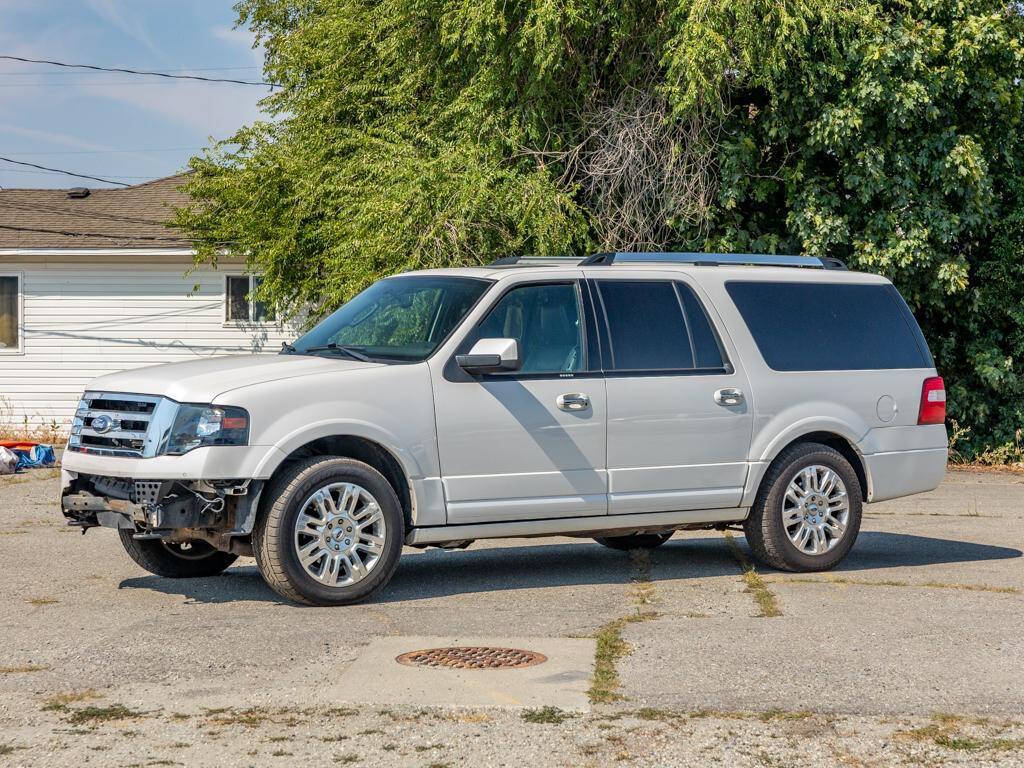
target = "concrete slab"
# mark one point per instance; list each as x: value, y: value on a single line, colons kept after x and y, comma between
x: 562, y: 681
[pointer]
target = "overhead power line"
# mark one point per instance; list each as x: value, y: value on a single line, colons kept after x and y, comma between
x: 138, y: 71
x: 48, y: 73
x: 79, y: 213
x: 66, y: 173
x: 104, y: 235
x: 106, y: 151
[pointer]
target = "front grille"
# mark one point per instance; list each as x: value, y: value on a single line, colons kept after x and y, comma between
x: 112, y: 424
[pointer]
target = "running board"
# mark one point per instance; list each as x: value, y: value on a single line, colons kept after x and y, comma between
x: 575, y: 525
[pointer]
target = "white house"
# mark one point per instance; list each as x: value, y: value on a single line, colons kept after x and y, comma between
x: 92, y: 281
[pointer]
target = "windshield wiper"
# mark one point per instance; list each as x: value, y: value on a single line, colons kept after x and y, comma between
x: 344, y: 349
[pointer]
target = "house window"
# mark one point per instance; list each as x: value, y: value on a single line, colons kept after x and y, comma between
x: 10, y: 313
x: 238, y: 305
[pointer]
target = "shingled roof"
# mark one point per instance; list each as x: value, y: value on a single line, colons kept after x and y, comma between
x: 131, y: 217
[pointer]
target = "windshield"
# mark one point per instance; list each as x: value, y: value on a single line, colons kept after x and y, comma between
x: 401, y: 318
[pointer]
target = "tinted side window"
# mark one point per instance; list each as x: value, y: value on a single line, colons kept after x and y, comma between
x: 830, y: 327
x: 707, y: 351
x: 655, y: 325
x: 545, y: 320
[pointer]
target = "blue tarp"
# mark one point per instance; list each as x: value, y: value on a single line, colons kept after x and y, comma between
x: 38, y: 456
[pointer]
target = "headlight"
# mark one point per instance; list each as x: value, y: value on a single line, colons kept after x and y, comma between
x: 196, y: 426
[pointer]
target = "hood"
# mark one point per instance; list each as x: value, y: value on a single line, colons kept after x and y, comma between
x: 201, y: 381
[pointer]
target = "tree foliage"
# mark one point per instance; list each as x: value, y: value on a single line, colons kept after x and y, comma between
x: 420, y: 133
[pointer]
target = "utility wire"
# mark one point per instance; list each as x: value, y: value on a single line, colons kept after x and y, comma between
x: 103, y: 235
x: 106, y: 151
x: 61, y: 173
x: 48, y: 73
x: 138, y: 71
x: 81, y: 213
x: 67, y: 173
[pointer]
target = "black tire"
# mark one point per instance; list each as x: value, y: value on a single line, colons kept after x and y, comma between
x: 634, y: 541
x: 764, y: 528
x: 175, y: 561
x: 274, y: 530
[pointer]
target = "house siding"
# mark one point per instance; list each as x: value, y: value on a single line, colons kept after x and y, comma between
x: 85, y: 317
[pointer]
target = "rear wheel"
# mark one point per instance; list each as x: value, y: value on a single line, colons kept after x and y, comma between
x: 330, y: 533
x: 634, y: 541
x: 807, y: 514
x: 175, y: 561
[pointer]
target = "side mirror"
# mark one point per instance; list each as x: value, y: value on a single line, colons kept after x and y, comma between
x: 491, y: 356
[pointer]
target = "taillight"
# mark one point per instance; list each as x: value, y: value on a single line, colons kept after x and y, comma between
x: 933, y: 402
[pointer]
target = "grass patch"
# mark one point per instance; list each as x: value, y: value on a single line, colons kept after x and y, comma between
x: 59, y: 703
x: 252, y: 717
x: 844, y: 581
x: 427, y: 747
x: 650, y: 713
x: 86, y: 715
x: 604, y: 681
x: 22, y: 669
x: 767, y: 716
x: 546, y: 715
x: 946, y: 731
x: 767, y: 602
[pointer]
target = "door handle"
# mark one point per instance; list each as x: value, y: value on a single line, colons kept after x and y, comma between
x: 573, y: 401
x: 729, y: 396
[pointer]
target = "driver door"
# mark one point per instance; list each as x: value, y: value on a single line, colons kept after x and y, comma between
x: 510, y: 446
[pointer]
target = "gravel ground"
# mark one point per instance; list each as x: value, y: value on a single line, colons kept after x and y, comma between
x: 909, y: 654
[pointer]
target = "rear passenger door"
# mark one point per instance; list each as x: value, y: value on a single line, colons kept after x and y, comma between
x: 679, y: 411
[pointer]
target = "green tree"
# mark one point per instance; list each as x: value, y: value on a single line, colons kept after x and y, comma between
x: 418, y: 133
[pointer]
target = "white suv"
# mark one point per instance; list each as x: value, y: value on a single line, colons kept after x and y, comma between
x: 621, y: 397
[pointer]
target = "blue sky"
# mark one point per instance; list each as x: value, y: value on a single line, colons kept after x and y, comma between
x: 112, y: 125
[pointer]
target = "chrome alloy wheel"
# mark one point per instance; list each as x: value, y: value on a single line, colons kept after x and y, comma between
x: 339, y: 534
x: 815, y: 510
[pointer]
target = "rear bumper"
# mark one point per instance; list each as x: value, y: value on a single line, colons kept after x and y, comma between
x: 892, y: 474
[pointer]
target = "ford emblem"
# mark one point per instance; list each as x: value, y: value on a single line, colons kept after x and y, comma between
x: 102, y: 424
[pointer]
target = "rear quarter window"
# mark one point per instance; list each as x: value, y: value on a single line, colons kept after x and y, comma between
x: 830, y: 326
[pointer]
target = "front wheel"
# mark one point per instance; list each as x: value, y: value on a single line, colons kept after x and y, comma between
x: 807, y: 514
x: 175, y: 561
x: 330, y: 532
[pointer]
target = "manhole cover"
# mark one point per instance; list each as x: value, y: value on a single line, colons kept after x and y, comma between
x: 477, y: 657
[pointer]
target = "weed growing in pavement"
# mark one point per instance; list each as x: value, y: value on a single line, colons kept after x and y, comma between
x: 947, y: 731
x: 767, y: 603
x: 649, y: 713
x: 843, y: 581
x: 86, y: 715
x: 6, y: 749
x: 547, y: 715
x: 348, y: 757
x: 610, y: 646
x: 21, y: 670
x: 39, y: 601
x: 59, y: 702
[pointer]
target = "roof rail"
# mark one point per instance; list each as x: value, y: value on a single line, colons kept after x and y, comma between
x: 716, y: 259
x: 697, y: 259
x: 533, y: 261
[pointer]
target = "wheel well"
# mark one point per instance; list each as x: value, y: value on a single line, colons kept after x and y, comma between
x: 841, y: 444
x: 360, y: 449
